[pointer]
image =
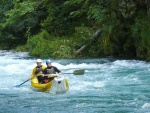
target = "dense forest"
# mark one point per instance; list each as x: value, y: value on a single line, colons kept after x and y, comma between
x: 76, y: 28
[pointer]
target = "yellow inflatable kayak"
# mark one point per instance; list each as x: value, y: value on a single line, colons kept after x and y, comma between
x: 57, y: 85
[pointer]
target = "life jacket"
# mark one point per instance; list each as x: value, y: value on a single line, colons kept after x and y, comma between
x: 38, y: 69
x: 50, y: 71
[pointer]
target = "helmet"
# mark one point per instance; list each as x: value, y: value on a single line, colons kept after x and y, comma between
x: 38, y: 60
x: 48, y: 61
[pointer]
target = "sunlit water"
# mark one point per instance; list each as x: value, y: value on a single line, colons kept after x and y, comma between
x: 108, y: 86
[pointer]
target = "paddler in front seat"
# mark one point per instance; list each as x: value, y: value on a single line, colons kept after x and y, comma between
x: 50, y: 70
x: 38, y: 71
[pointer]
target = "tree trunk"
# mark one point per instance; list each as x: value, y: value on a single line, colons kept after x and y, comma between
x: 94, y: 38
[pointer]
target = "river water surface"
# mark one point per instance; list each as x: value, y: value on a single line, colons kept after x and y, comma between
x: 108, y: 86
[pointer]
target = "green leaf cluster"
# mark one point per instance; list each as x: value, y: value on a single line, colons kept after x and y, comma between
x: 45, y: 45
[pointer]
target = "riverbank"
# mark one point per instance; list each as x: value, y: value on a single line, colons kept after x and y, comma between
x: 66, y: 29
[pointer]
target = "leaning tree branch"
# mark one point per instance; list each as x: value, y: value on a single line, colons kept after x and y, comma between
x: 93, y: 38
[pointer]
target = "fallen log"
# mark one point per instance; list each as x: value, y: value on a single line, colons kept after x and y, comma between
x: 93, y: 38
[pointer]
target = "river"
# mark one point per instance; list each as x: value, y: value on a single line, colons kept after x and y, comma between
x: 108, y: 86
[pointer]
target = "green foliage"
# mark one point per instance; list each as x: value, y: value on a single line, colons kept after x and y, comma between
x: 64, y: 16
x: 95, y: 12
x: 141, y: 32
x: 102, y: 11
x: 20, y: 9
x: 21, y: 22
x: 45, y: 45
x: 57, y: 28
x: 64, y: 51
x: 22, y: 48
x: 82, y: 35
x: 36, y: 43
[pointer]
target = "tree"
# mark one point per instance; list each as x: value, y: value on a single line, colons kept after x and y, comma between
x: 24, y: 16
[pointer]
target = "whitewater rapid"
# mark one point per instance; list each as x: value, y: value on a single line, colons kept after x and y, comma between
x: 108, y: 85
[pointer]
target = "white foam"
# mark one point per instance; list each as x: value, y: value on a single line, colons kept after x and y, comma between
x: 129, y: 63
x: 98, y: 84
x: 146, y: 105
x: 78, y: 66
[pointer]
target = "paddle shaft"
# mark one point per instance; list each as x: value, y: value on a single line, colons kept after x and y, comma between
x: 67, y: 73
x: 24, y: 82
x: 76, y: 72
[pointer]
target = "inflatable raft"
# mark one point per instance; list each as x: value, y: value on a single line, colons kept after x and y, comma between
x: 57, y: 85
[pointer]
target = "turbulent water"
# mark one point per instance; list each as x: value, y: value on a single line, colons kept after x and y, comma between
x: 108, y: 86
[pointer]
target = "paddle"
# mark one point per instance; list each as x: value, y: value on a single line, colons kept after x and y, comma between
x: 21, y: 83
x: 51, y: 75
x: 77, y: 72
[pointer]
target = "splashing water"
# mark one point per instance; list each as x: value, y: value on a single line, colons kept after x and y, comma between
x: 108, y: 86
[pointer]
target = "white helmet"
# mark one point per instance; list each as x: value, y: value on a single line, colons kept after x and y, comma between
x: 38, y: 60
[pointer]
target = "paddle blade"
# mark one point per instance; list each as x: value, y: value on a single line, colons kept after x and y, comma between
x: 79, y: 72
x: 17, y: 86
x: 51, y: 75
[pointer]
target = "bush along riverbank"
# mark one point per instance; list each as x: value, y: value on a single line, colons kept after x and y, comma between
x: 77, y: 29
x: 45, y: 45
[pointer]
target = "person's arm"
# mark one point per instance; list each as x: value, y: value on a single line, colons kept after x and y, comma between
x: 33, y: 74
x: 57, y: 70
x: 43, y: 67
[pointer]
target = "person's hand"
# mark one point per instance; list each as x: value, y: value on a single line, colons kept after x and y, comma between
x: 40, y: 72
x: 42, y: 75
x: 29, y: 79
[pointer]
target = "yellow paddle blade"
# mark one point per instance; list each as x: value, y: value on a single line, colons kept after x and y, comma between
x: 52, y: 75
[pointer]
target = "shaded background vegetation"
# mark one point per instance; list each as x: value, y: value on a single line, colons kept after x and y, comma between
x: 58, y: 28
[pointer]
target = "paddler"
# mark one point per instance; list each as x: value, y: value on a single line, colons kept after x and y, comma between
x: 50, y: 70
x: 38, y: 71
